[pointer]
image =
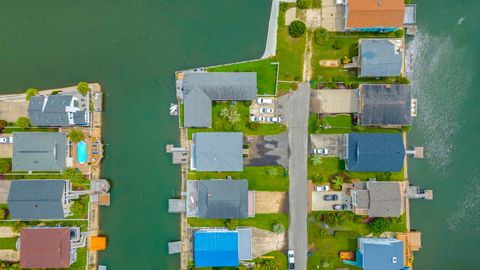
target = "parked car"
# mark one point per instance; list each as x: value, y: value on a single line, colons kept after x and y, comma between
x: 6, y: 140
x: 265, y: 100
x: 321, y: 188
x: 320, y: 151
x: 274, y: 119
x: 339, y: 207
x: 266, y: 110
x: 257, y: 118
x: 330, y: 197
x: 291, y: 259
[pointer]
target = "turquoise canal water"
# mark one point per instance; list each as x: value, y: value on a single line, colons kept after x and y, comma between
x: 133, y: 47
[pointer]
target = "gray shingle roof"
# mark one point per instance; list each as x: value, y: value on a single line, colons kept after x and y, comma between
x: 50, y: 111
x: 245, y: 244
x: 385, y: 199
x: 218, y: 151
x: 36, y: 199
x: 363, y: 199
x: 39, y: 151
x: 379, y: 58
x: 201, y: 88
x: 384, y: 105
x: 223, y: 199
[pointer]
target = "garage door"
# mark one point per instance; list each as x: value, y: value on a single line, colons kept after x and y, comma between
x: 334, y: 101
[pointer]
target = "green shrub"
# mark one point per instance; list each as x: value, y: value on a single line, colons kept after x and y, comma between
x: 75, y: 176
x: 22, y: 122
x: 302, y: 4
x: 283, y: 6
x: 76, y: 135
x: 272, y: 172
x: 56, y: 92
x: 3, y: 124
x: 278, y: 228
x: 77, y: 207
x: 5, y: 165
x: 379, y: 225
x: 231, y: 224
x: 83, y: 88
x: 321, y: 36
x: 30, y: 93
x: 386, y: 176
x: 346, y: 234
x: 400, y: 33
x: 316, y: 160
x: 297, y: 28
x: 294, y: 86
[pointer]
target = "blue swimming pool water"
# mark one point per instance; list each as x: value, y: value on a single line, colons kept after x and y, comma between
x: 81, y: 152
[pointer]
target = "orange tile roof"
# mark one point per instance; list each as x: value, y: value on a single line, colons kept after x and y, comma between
x: 98, y: 243
x: 375, y: 13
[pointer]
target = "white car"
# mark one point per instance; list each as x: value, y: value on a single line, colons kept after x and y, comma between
x: 266, y: 110
x: 6, y: 140
x: 291, y: 259
x: 274, y: 119
x: 320, y: 151
x: 257, y: 118
x: 321, y: 188
x: 265, y: 100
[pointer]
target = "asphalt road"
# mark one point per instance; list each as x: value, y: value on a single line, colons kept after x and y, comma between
x: 296, y: 115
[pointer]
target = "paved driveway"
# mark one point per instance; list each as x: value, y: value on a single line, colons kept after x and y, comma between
x: 335, y: 143
x: 270, y: 202
x: 267, y: 150
x: 296, y: 114
x: 335, y: 101
x: 320, y: 204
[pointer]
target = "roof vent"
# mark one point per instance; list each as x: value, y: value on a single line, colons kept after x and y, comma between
x: 394, y: 259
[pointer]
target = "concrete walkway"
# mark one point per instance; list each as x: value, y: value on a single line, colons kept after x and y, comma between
x: 297, y: 122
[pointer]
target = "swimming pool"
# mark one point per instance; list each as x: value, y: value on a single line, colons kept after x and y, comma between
x: 81, y: 152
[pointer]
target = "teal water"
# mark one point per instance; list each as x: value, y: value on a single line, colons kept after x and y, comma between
x: 132, y: 48
x: 447, y: 50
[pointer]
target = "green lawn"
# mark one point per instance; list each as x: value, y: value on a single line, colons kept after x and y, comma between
x: 30, y: 129
x: 80, y: 208
x: 334, y: 165
x: 8, y: 243
x: 245, y: 126
x: 266, y: 73
x: 181, y: 114
x: 290, y: 51
x: 81, y: 261
x: 262, y: 221
x: 342, y: 124
x: 257, y: 177
x: 278, y: 262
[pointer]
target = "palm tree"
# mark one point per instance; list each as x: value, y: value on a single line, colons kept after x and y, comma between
x: 316, y: 160
x: 337, y: 182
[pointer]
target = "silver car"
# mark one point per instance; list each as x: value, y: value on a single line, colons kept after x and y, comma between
x: 6, y: 139
x: 274, y: 119
x: 266, y: 110
x: 257, y: 118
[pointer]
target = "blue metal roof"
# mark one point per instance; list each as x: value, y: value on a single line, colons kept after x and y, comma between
x: 379, y: 58
x: 381, y: 253
x: 215, y: 248
x: 375, y: 152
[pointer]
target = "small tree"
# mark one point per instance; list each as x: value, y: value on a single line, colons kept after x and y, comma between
x: 321, y: 36
x: 302, y: 4
x: 75, y: 176
x: 346, y: 60
x: 224, y: 113
x: 400, y: 33
x: 283, y: 6
x: 297, y: 28
x: 5, y: 165
x: 77, y: 207
x: 31, y: 92
x: 316, y: 160
x: 3, y: 124
x: 337, y: 182
x: 22, y: 122
x: 76, y: 135
x: 272, y: 172
x: 231, y: 224
x: 379, y: 225
x: 278, y: 228
x: 83, y: 88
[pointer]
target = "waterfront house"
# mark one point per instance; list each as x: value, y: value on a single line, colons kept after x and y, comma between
x: 374, y: 15
x: 217, y: 152
x: 39, y: 151
x: 380, y: 57
x: 386, y: 105
x: 378, y: 198
x: 379, y: 254
x: 39, y: 199
x: 219, y: 199
x: 60, y: 110
x: 200, y: 89
x: 222, y: 248
x: 374, y: 152
x: 44, y: 247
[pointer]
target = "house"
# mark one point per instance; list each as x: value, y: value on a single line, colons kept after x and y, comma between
x: 217, y: 152
x: 222, y: 248
x: 375, y: 152
x: 200, y: 89
x: 374, y: 15
x: 219, y: 199
x: 60, y: 110
x: 39, y: 199
x: 378, y: 198
x: 380, y: 57
x: 379, y: 254
x: 39, y: 151
x: 46, y: 248
x: 386, y: 105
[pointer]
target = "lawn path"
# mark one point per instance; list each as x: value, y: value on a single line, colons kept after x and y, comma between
x: 307, y: 58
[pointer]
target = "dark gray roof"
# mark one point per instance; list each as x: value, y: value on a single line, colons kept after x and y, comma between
x: 384, y: 105
x: 223, y: 199
x: 36, y: 199
x: 217, y: 151
x: 379, y: 58
x: 245, y: 244
x: 201, y: 88
x: 363, y: 199
x: 51, y: 111
x: 385, y: 199
x: 39, y: 151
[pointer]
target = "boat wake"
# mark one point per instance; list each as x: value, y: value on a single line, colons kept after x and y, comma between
x: 440, y: 84
x: 466, y: 217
